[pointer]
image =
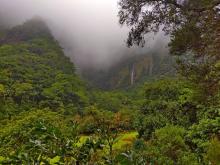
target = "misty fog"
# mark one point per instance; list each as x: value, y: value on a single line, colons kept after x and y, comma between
x: 88, y: 30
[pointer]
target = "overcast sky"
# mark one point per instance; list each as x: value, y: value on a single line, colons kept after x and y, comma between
x: 87, y: 29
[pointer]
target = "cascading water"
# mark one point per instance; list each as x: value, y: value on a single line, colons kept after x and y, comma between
x: 132, y: 74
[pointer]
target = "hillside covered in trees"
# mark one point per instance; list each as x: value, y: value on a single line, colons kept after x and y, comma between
x: 131, y: 71
x: 50, y: 115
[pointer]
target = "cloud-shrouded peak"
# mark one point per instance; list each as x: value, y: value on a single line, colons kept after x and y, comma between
x: 88, y: 30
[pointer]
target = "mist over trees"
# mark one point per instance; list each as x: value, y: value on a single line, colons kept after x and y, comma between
x: 194, y: 29
x: 50, y: 115
x: 90, y: 39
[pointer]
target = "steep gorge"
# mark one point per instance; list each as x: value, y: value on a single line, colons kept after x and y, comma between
x: 131, y: 71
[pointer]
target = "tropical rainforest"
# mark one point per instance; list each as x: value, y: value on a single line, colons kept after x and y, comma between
x: 50, y: 114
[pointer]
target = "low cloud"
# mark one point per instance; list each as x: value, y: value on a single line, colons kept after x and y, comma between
x: 88, y: 30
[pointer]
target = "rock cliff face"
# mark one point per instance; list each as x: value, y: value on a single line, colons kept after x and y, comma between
x: 141, y: 67
x: 131, y: 71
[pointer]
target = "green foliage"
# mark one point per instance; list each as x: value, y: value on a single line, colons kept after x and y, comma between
x: 200, y: 134
x: 193, y: 27
x: 146, y: 125
x: 172, y: 98
x: 2, y: 90
x: 37, y: 136
x: 168, y: 145
x: 112, y: 101
x: 213, y: 153
x: 35, y: 72
x: 47, y: 116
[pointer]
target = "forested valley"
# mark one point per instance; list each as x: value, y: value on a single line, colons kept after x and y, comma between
x: 50, y: 114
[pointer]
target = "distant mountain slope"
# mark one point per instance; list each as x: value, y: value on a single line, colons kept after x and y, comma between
x: 35, y: 71
x: 131, y: 71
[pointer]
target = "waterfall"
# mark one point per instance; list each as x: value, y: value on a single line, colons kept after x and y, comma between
x: 151, y: 65
x: 132, y: 75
